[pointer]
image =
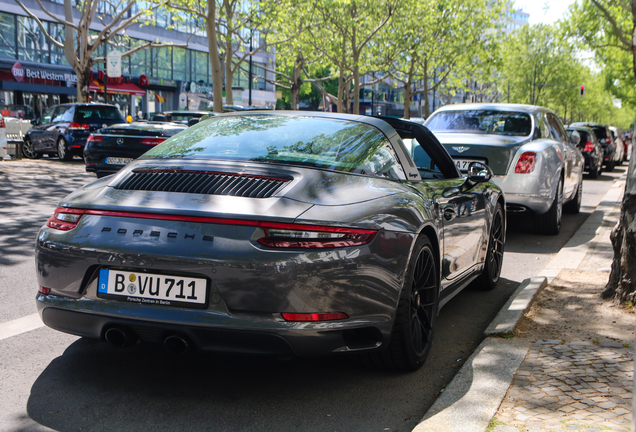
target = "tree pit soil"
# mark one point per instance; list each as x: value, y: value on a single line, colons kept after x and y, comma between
x: 571, y: 309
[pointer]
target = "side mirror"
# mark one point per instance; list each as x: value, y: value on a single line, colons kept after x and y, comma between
x: 576, y: 138
x: 479, y: 172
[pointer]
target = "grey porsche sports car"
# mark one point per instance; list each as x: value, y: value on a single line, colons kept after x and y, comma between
x: 275, y: 233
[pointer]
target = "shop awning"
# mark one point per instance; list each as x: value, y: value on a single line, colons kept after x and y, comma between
x: 125, y: 88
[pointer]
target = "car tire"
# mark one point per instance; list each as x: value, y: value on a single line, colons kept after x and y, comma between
x: 28, y: 151
x: 609, y: 167
x: 574, y: 205
x: 62, y: 151
x: 415, y: 317
x: 494, y: 257
x: 594, y: 172
x: 550, y: 222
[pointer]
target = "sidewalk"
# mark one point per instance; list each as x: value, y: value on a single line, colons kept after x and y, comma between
x: 562, y: 383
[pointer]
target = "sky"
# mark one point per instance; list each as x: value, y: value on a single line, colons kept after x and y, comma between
x: 544, y: 11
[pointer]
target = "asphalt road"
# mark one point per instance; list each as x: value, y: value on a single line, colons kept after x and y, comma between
x: 57, y: 381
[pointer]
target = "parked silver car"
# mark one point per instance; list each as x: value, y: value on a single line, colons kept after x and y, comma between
x: 528, y: 150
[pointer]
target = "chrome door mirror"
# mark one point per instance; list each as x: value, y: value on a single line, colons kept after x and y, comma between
x: 576, y: 138
x: 479, y: 172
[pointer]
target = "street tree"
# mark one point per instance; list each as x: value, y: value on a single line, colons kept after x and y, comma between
x: 342, y: 32
x: 80, y: 44
x: 430, y: 44
x: 612, y: 29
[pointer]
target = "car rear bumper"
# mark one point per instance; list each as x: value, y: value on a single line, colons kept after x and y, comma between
x: 245, y: 336
x: 525, y: 193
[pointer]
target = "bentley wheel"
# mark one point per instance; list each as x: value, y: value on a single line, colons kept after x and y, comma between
x: 550, y: 222
x: 412, y: 333
x: 594, y: 172
x: 27, y: 150
x: 609, y: 167
x: 494, y: 257
x: 574, y: 206
x: 62, y: 152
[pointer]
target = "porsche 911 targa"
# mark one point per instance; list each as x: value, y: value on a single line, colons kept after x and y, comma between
x: 275, y: 233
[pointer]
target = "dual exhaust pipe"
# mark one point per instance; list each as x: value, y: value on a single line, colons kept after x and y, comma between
x: 121, y: 337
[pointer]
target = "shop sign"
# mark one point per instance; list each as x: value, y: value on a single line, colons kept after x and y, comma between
x: 162, y: 82
x: 143, y: 81
x: 199, y: 87
x: 113, y: 63
x: 19, y: 73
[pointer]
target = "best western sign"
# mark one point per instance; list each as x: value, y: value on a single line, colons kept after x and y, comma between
x: 20, y: 72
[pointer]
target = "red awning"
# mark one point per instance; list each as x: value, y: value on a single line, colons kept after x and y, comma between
x: 125, y: 88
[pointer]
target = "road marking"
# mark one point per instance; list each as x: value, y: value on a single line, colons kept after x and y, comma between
x: 20, y: 325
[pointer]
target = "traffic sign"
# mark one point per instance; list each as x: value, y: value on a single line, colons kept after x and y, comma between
x: 113, y: 64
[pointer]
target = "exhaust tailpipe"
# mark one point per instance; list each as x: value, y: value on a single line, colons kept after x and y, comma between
x: 176, y: 344
x: 120, y: 337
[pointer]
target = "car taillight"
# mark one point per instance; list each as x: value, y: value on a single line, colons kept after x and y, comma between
x: 589, y: 147
x: 152, y: 141
x: 608, y: 140
x: 329, y: 316
x: 2, y: 123
x: 44, y: 290
x: 279, y: 235
x: 526, y: 163
x: 95, y: 138
x: 65, y: 219
x: 78, y: 126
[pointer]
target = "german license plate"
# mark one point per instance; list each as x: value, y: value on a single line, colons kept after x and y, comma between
x: 118, y: 160
x: 462, y: 164
x: 152, y: 289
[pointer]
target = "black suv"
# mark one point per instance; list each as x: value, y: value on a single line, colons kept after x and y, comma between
x: 63, y: 129
x: 604, y: 136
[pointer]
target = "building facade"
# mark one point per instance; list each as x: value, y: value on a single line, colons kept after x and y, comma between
x: 34, y: 74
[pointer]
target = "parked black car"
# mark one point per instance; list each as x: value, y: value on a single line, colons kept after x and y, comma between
x: 590, y: 147
x: 109, y: 149
x: 184, y: 117
x: 64, y: 129
x: 604, y: 136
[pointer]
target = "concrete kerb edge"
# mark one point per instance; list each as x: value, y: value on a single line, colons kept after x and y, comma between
x: 519, y: 302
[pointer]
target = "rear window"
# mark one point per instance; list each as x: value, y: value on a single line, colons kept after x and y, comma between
x: 332, y: 144
x: 489, y: 122
x: 87, y: 114
x: 584, y: 137
x: 599, y: 132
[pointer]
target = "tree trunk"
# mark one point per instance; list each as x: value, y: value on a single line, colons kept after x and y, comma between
x: 83, y: 84
x: 296, y: 81
x: 341, y: 91
x: 229, y: 74
x: 622, y: 282
x: 427, y: 107
x: 215, y: 62
x: 356, y: 86
x: 407, y: 100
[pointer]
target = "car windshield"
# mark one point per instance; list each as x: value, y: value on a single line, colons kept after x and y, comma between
x: 332, y: 144
x: 490, y: 122
x: 98, y: 113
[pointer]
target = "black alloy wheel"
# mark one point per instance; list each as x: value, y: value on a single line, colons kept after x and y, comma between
x: 62, y: 151
x: 416, y: 314
x: 27, y: 150
x: 494, y: 257
x: 574, y: 206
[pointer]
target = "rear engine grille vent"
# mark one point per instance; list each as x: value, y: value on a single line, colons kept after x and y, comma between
x: 207, y: 183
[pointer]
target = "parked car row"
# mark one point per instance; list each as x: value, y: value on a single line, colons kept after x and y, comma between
x: 299, y: 234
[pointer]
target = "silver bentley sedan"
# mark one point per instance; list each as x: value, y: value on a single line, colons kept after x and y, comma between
x: 532, y: 158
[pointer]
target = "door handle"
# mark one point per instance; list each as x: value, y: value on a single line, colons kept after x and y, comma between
x: 449, y: 214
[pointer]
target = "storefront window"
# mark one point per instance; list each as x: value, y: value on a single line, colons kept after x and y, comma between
x: 32, y: 44
x: 180, y: 63
x: 57, y: 54
x: 7, y: 35
x: 202, y: 66
x: 138, y: 61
